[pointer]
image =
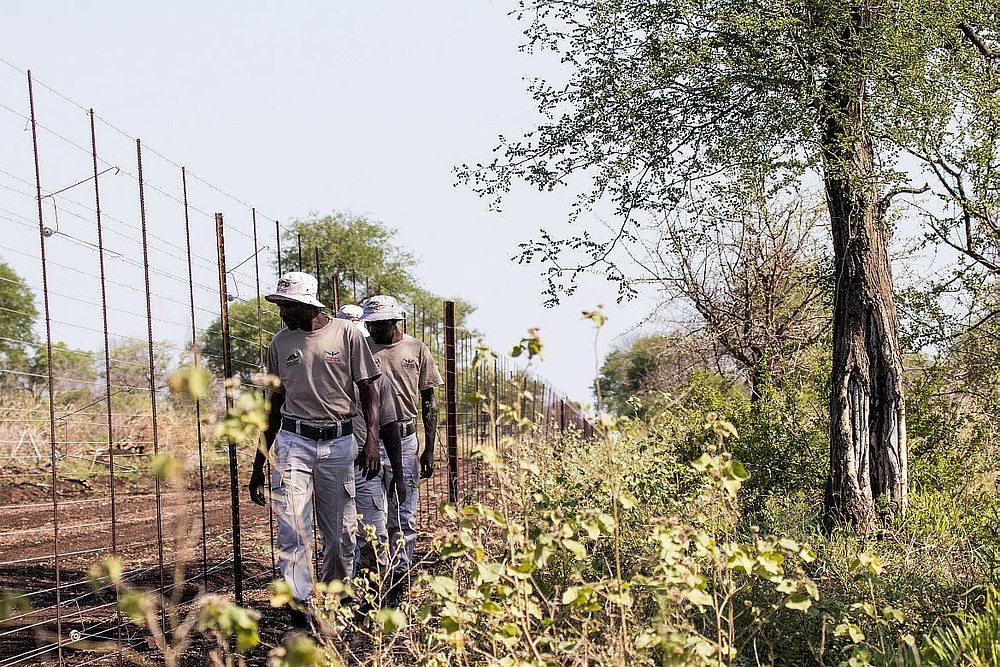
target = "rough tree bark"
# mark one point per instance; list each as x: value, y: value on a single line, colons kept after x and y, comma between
x: 868, y: 419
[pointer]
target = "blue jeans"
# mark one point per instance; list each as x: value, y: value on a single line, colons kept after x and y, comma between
x: 302, y: 466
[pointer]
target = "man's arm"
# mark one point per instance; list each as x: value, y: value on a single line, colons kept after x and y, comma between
x: 394, y: 449
x: 256, y: 485
x: 428, y: 406
x: 368, y: 459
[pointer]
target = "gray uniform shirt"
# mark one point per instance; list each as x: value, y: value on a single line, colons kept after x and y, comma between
x: 410, y: 366
x: 318, y: 370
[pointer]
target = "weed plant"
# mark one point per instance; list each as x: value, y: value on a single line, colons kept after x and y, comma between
x: 687, y: 537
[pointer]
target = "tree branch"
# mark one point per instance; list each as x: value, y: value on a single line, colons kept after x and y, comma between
x: 885, y: 202
x: 977, y: 41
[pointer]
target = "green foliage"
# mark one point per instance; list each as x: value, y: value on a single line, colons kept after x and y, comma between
x: 658, y: 101
x: 17, y: 315
x: 570, y: 561
x: 362, y: 252
x: 223, y: 619
x: 530, y: 345
x: 247, y: 419
x: 191, y: 381
x: 73, y: 372
x: 973, y: 641
x: 249, y: 333
x: 366, y: 258
x: 650, y: 367
x: 212, y: 615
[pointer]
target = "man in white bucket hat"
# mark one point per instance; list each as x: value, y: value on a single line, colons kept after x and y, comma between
x: 408, y: 363
x: 310, y: 433
x: 372, y: 557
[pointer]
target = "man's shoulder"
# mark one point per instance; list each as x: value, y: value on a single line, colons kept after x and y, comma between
x: 280, y: 337
x: 414, y: 343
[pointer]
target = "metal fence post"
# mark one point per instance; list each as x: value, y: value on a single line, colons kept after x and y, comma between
x: 227, y: 365
x: 43, y: 232
x: 451, y: 399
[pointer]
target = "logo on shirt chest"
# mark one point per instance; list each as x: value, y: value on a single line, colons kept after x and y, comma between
x: 331, y: 356
x: 293, y: 359
x: 410, y: 363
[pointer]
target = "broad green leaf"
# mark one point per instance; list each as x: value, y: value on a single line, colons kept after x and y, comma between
x: 799, y: 601
x: 700, y: 597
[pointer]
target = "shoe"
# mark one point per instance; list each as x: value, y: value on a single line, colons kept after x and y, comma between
x: 300, y: 620
x: 398, y: 583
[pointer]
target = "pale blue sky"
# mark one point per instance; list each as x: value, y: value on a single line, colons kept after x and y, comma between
x: 292, y: 108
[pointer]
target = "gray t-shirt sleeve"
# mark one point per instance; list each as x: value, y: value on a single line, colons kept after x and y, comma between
x: 363, y: 366
x: 429, y: 374
x: 272, y: 367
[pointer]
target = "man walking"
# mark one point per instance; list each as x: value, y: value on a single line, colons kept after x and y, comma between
x: 373, y: 492
x: 408, y: 363
x: 319, y: 361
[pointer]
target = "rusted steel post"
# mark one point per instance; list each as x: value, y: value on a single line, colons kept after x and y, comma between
x: 298, y: 238
x: 107, y: 345
x: 562, y: 414
x: 256, y: 275
x: 277, y: 244
x: 152, y: 366
x: 451, y: 398
x: 54, y: 458
x: 107, y: 371
x: 335, y: 287
x: 260, y: 347
x: 319, y: 278
x: 354, y: 285
x: 227, y: 366
x: 197, y: 401
x: 270, y: 509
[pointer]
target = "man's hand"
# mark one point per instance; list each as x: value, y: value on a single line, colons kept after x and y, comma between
x: 399, y: 489
x: 369, y: 462
x: 427, y: 462
x: 256, y: 486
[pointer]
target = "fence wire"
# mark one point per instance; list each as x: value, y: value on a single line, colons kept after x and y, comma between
x: 129, y: 276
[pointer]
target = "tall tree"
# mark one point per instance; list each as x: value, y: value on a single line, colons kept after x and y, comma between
x: 362, y: 253
x: 366, y: 259
x: 73, y: 371
x: 17, y: 315
x: 650, y: 365
x: 753, y: 270
x: 664, y: 98
x: 359, y: 255
x: 249, y: 335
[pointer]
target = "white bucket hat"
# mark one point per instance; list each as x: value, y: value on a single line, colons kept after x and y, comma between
x: 351, y: 312
x: 296, y: 286
x: 381, y: 307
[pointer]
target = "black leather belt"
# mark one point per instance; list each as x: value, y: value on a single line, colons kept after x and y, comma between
x: 407, y: 428
x: 331, y: 432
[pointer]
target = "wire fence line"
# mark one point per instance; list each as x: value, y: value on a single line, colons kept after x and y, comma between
x: 130, y: 273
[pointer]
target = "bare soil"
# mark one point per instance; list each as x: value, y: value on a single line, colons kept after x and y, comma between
x: 47, y: 546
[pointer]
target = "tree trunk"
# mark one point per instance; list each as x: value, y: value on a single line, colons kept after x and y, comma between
x: 867, y: 412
